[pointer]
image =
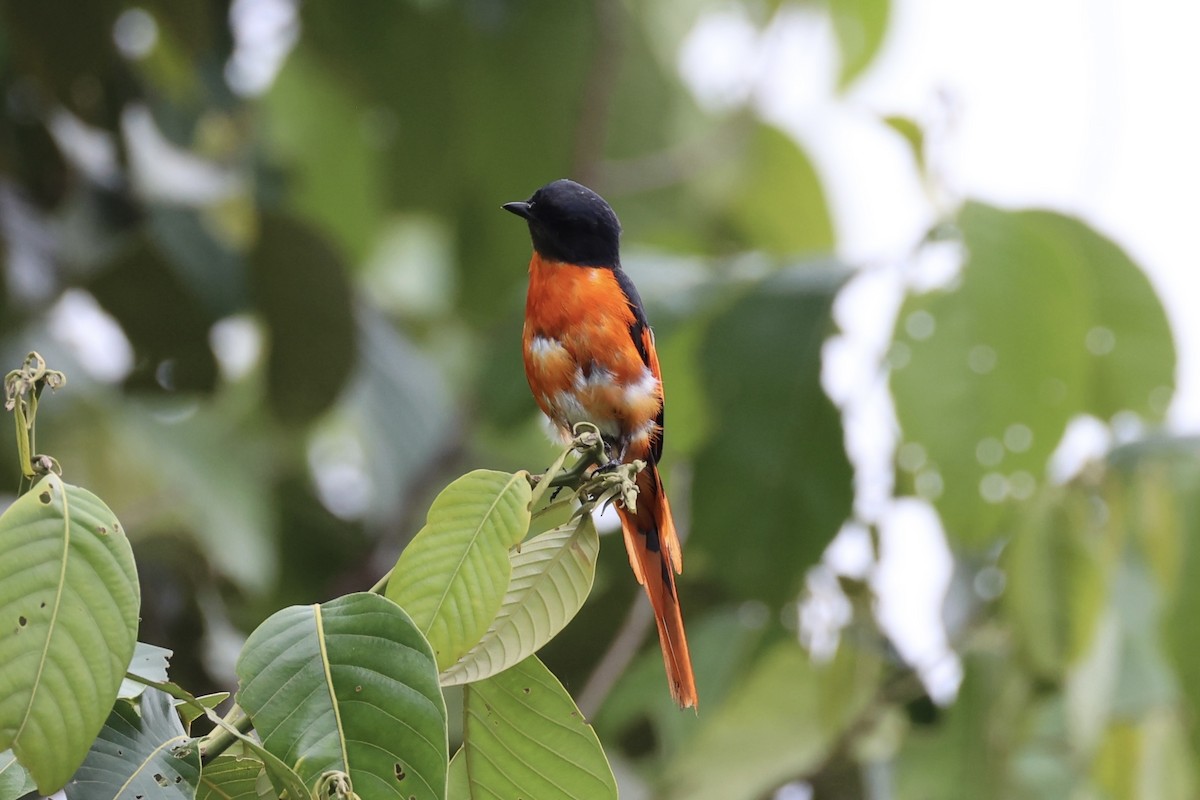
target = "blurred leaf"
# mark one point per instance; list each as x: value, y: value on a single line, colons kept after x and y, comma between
x: 69, y: 603
x: 67, y: 48
x: 212, y: 272
x: 350, y: 686
x: 1059, y: 565
x: 139, y: 755
x: 229, y: 777
x: 314, y: 110
x: 484, y: 135
x: 14, y: 780
x: 524, y: 737
x: 774, y: 470
x: 30, y: 157
x: 302, y: 290
x: 1005, y: 391
x: 721, y: 643
x: 1147, y: 759
x: 453, y: 576
x: 551, y: 577
x: 680, y: 354
x: 149, y: 662
x: 403, y: 411
x: 966, y: 755
x: 164, y: 322
x: 779, y: 203
x: 779, y: 723
x: 913, y: 136
x: 860, y: 27
x: 172, y: 464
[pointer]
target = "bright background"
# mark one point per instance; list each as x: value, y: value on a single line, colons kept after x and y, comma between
x: 263, y: 239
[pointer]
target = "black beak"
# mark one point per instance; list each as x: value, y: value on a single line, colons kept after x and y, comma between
x: 520, y: 208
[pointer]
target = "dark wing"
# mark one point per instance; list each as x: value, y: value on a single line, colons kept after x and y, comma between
x: 643, y: 340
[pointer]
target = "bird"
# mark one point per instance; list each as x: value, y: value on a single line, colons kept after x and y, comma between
x: 589, y: 357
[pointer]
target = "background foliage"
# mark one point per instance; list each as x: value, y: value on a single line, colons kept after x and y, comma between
x: 291, y: 313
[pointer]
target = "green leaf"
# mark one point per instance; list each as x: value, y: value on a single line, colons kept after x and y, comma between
x: 301, y: 287
x: 14, y: 780
x: 350, y: 686
x: 1049, y: 320
x: 780, y: 723
x: 229, y: 777
x: 190, y: 713
x: 524, y: 737
x: 860, y: 26
x: 779, y: 205
x: 458, y: 784
x: 149, y: 662
x: 138, y: 756
x: 551, y: 576
x: 453, y: 576
x: 776, y: 453
x: 69, y: 602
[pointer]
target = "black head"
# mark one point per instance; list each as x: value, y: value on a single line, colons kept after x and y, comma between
x: 569, y: 222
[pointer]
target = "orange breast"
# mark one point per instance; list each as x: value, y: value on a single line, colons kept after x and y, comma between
x: 580, y: 358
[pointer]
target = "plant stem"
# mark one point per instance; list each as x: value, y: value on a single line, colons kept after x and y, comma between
x: 221, y: 739
x: 381, y: 584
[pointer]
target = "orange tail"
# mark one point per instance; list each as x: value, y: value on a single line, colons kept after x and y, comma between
x: 654, y: 555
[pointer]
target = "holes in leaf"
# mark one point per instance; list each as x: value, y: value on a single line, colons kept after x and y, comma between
x: 103, y: 531
x: 22, y: 621
x: 400, y: 773
x: 160, y: 779
x: 44, y: 497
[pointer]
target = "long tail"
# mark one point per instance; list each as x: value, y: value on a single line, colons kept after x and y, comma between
x: 654, y: 556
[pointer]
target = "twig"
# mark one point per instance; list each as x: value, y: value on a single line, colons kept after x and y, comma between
x: 616, y: 659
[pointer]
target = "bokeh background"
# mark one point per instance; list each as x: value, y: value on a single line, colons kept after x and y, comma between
x: 933, y: 454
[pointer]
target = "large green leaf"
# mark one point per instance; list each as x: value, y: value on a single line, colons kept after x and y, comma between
x: 524, y: 737
x: 774, y: 474
x: 14, y: 780
x: 551, y: 576
x: 453, y: 576
x: 69, y: 603
x: 1049, y: 320
x: 138, y: 756
x: 778, y: 724
x: 348, y: 686
x: 229, y: 777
